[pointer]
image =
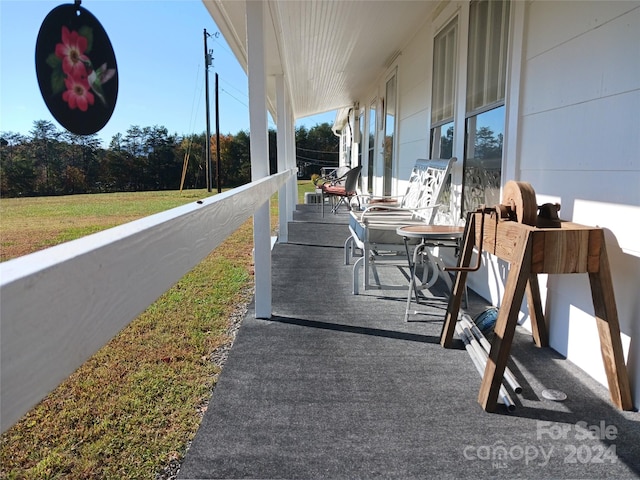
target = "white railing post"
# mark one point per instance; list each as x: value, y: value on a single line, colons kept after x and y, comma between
x: 259, y: 145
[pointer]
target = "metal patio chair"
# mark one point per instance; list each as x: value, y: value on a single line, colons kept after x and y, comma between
x: 341, y: 190
x: 373, y: 231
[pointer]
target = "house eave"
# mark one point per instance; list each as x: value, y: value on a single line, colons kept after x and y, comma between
x: 331, y: 53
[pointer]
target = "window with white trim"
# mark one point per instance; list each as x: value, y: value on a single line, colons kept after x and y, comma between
x: 445, y: 51
x: 371, y: 146
x: 389, y: 134
x: 485, y: 102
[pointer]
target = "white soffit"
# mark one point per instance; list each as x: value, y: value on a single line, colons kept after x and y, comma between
x: 331, y: 52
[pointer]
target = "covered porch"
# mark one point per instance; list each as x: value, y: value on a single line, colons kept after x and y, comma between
x: 482, y: 81
x: 324, y: 384
x: 336, y: 385
x: 431, y: 79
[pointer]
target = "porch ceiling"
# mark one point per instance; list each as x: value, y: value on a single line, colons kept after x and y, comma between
x: 331, y: 52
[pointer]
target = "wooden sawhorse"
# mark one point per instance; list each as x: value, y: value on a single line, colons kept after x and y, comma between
x: 571, y: 248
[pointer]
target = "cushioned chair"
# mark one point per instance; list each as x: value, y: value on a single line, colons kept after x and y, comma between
x: 341, y: 190
x: 373, y: 231
x: 331, y: 176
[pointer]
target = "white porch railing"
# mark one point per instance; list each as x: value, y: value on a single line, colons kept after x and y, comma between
x: 61, y: 305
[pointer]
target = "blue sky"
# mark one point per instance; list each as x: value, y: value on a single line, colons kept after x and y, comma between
x: 160, y: 55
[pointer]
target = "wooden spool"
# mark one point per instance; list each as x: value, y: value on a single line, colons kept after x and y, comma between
x: 519, y: 198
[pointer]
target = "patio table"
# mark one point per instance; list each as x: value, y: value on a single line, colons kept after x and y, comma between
x: 429, y: 236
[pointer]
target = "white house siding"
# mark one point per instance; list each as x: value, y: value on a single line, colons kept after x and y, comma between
x: 414, y: 83
x: 578, y: 143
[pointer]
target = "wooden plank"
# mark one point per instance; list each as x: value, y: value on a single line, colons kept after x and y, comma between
x: 565, y: 251
x: 500, y: 237
x: 455, y: 299
x: 538, y: 325
x: 596, y: 247
x: 506, y: 323
x: 569, y: 249
x: 60, y: 305
x: 606, y: 315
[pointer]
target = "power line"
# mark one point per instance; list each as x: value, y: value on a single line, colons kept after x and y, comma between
x: 314, y: 151
x: 224, y: 47
x: 235, y: 98
x: 234, y: 87
x: 195, y: 104
x: 314, y: 160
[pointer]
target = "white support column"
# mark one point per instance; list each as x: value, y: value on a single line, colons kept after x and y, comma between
x: 282, y: 115
x: 511, y: 153
x: 259, y: 145
x: 293, y: 182
x: 457, y: 169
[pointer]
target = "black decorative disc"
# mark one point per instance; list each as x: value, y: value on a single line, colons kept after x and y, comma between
x: 76, y: 69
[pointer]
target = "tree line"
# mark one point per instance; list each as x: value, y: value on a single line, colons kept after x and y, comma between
x: 48, y: 161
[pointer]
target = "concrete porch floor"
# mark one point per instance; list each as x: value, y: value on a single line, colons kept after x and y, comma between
x: 336, y: 386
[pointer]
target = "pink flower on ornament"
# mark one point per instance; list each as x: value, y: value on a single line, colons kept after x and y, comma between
x: 72, y: 52
x: 77, y: 94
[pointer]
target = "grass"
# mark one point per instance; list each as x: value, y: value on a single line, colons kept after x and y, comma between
x: 134, y: 406
x: 30, y: 224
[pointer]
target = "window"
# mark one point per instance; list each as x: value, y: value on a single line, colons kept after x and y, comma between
x: 345, y: 148
x: 372, y: 145
x: 441, y: 140
x: 487, y: 54
x: 485, y: 111
x: 483, y: 158
x: 443, y: 91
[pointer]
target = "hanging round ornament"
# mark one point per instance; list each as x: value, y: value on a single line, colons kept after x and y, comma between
x: 76, y: 69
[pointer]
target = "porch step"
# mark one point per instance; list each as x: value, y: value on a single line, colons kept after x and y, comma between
x: 312, y: 198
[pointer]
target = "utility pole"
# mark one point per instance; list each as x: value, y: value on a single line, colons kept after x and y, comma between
x: 207, y: 62
x: 218, y: 163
